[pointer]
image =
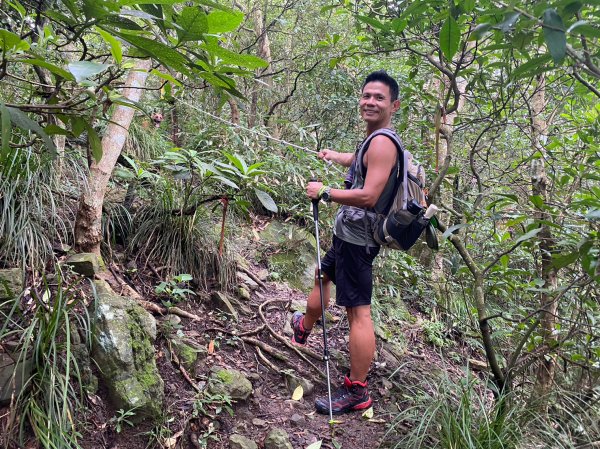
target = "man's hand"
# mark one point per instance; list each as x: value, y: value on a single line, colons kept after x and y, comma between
x: 312, y: 189
x: 344, y: 159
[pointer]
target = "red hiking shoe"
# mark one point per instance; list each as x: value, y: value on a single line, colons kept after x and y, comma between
x: 351, y: 396
x: 300, y: 334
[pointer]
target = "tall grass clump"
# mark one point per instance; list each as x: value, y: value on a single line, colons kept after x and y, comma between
x: 39, y: 326
x: 181, y: 241
x: 34, y: 211
x: 465, y: 414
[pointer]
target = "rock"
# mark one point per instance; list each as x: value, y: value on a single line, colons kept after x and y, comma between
x: 123, y: 350
x: 11, y: 283
x: 240, y: 442
x: 297, y: 420
x: 230, y: 382
x: 243, y: 293
x: 221, y: 302
x: 263, y: 274
x: 12, y: 374
x: 188, y: 352
x: 294, y: 255
x: 478, y: 365
x: 247, y: 281
x: 292, y: 381
x: 278, y: 439
x: 86, y: 264
x: 259, y: 422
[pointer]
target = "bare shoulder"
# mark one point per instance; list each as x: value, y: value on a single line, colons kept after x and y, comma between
x: 382, y: 150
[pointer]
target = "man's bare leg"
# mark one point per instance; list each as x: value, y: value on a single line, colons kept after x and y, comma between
x: 313, y: 303
x: 362, y: 341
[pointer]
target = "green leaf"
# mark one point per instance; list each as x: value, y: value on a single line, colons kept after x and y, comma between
x: 315, y: 445
x: 529, y: 235
x: 147, y: 2
x: 467, y: 5
x: 480, y: 31
x: 398, y: 25
x: 20, y: 119
x: 230, y: 57
x: 82, y: 70
x: 562, y: 260
x: 78, y: 125
x: 509, y: 21
x: 115, y: 45
x: 166, y: 55
x: 50, y: 67
x: 449, y: 38
x: 266, y: 200
x: 453, y: 228
x: 166, y: 77
x: 532, y: 67
x: 193, y: 24
x: 224, y: 21
x: 371, y: 21
x: 554, y: 35
x: 584, y: 28
x: 11, y: 42
x: 537, y: 201
x: 6, y: 130
x: 94, y: 142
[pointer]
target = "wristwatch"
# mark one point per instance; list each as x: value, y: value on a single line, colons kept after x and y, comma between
x: 326, y: 194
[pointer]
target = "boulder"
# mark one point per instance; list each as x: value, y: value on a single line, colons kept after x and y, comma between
x: 188, y: 352
x: 221, y: 302
x: 11, y: 283
x: 246, y: 280
x: 13, y: 373
x: 292, y: 381
x: 86, y: 264
x: 231, y: 383
x: 278, y: 439
x: 123, y: 349
x: 294, y: 254
x: 240, y: 442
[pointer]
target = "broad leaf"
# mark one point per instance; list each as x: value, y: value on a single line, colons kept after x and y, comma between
x: 480, y: 31
x: 529, y: 235
x: 115, y: 45
x: 509, y: 21
x: 224, y: 21
x: 163, y: 53
x: 83, y: 70
x: 371, y: 21
x: 193, y: 24
x: 554, y: 35
x: 5, y: 129
x: 11, y: 42
x: 453, y: 228
x: 50, y: 67
x: 166, y: 77
x: 94, y: 142
x: 266, y: 200
x: 315, y: 445
x: 532, y: 67
x: 230, y: 57
x: 20, y: 119
x: 298, y: 393
x: 562, y: 260
x: 449, y: 38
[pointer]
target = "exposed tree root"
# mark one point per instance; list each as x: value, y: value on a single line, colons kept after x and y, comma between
x: 253, y: 277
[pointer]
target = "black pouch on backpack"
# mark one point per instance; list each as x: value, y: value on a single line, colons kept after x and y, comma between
x: 403, y: 228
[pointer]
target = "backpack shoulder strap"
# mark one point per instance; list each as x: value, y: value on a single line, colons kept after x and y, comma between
x: 401, y: 166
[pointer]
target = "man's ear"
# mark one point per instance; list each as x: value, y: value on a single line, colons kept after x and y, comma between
x: 395, y: 105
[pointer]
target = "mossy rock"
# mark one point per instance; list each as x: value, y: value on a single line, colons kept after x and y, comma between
x: 86, y: 264
x: 11, y: 283
x: 231, y: 383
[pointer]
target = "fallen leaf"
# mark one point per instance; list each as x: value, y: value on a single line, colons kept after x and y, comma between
x: 298, y: 393
x: 211, y: 347
x: 170, y: 443
x: 368, y: 414
x: 315, y: 445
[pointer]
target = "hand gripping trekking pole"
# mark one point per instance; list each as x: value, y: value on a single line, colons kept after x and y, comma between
x: 315, y: 204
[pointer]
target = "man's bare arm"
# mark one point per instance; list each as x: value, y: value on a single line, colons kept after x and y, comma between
x: 344, y: 159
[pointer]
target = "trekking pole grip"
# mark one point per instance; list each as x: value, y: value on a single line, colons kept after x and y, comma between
x: 315, y: 203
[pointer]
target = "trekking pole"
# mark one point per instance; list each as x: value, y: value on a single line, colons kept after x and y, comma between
x: 315, y: 204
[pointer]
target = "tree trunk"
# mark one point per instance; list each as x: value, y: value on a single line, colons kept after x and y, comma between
x: 175, y: 131
x: 88, y: 224
x: 264, y: 51
x: 548, y: 306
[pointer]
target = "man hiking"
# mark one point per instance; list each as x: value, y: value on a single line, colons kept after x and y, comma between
x: 349, y: 262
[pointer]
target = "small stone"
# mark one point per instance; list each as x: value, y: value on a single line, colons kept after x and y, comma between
x: 241, y: 442
x: 221, y: 302
x: 278, y: 439
x: 259, y: 422
x: 297, y: 419
x: 243, y: 293
x: 263, y: 274
x: 232, y: 383
x: 292, y: 382
x: 86, y: 264
x: 246, y: 280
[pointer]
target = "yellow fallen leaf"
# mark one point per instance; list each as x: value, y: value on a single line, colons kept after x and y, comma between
x: 315, y: 445
x: 368, y: 414
x: 211, y: 347
x: 170, y: 443
x: 298, y: 393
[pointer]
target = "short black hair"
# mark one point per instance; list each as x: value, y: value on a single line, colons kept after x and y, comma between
x: 383, y: 77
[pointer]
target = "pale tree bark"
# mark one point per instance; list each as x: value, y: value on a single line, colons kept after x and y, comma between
x: 88, y: 229
x: 548, y: 305
x: 235, y: 111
